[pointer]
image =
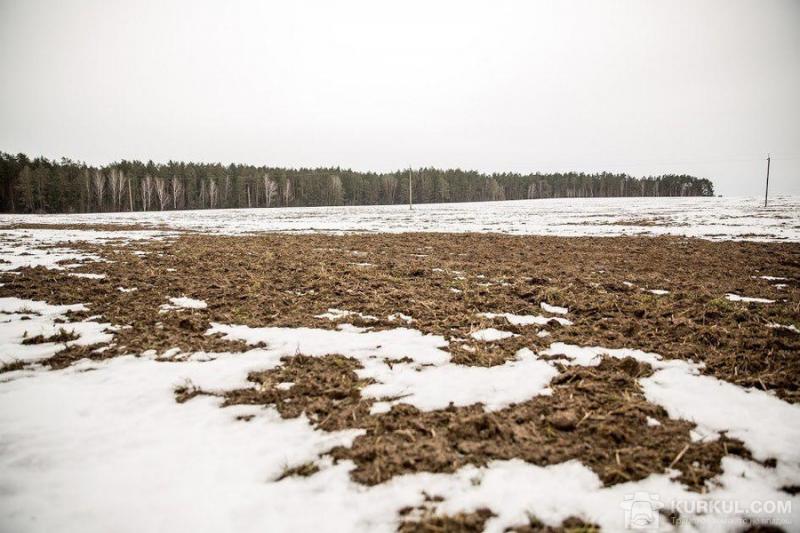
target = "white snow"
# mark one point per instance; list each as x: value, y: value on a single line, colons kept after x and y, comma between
x: 491, y: 334
x: 183, y: 302
x: 711, y: 218
x: 110, y: 450
x: 87, y: 442
x: 789, y: 327
x: 363, y: 345
x: 22, y: 319
x: 337, y: 314
x: 429, y: 382
x: 87, y: 275
x: 737, y: 298
x: 527, y: 320
x: 769, y: 427
x: 766, y: 424
x: 554, y: 309
x: 429, y: 388
x: 103, y: 446
x: 658, y: 292
x: 43, y: 247
x: 401, y: 317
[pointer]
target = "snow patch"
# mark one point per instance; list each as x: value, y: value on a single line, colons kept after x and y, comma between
x: 430, y: 388
x: 737, y: 298
x: 182, y: 302
x: 337, y: 314
x: 86, y: 275
x: 527, y: 320
x: 491, y: 335
x: 554, y: 309
x: 24, y: 319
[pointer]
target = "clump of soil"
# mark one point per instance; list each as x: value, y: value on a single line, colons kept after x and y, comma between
x: 62, y: 336
x: 430, y: 522
x: 570, y: 525
x: 303, y: 470
x: 325, y: 389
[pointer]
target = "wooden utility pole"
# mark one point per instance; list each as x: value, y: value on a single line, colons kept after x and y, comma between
x: 410, y: 203
x: 766, y: 192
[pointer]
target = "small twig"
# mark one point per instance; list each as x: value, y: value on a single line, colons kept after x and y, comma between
x: 678, y: 457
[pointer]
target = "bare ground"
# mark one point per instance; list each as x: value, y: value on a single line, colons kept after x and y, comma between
x: 595, y: 414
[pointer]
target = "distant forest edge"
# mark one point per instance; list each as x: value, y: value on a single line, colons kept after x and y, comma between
x: 43, y: 186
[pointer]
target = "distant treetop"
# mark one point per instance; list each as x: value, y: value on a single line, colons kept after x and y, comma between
x: 44, y: 186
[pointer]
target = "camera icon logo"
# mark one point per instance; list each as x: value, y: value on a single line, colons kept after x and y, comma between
x: 641, y: 511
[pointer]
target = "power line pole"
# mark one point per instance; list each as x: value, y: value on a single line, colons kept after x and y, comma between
x: 410, y: 204
x: 766, y: 192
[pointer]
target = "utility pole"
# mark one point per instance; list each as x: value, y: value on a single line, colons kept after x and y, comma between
x: 766, y: 192
x: 410, y: 204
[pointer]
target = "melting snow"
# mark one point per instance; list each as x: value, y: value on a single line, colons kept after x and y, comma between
x: 790, y: 327
x: 87, y: 438
x: 337, y: 314
x: 491, y: 334
x: 92, y: 440
x: 400, y: 316
x: 429, y: 388
x: 24, y: 319
x: 527, y: 320
x: 712, y: 218
x: 554, y: 309
x: 87, y: 275
x: 658, y: 292
x: 767, y: 425
x: 737, y: 298
x: 183, y: 302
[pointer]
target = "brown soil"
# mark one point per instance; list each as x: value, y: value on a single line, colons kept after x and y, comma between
x: 595, y: 414
x: 283, y: 280
x: 430, y: 522
x: 62, y: 336
x: 570, y: 525
x: 326, y: 389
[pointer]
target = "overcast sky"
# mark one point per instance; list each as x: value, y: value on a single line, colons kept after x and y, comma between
x: 645, y: 87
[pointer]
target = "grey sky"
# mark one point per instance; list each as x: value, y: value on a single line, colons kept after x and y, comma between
x: 645, y: 87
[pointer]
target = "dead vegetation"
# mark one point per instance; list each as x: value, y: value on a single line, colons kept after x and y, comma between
x: 62, y: 336
x: 597, y: 415
x: 283, y: 280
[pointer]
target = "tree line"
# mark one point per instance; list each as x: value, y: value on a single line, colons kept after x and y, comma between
x: 41, y: 185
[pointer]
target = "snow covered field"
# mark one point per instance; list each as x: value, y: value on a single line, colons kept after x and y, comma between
x: 102, y: 445
x: 714, y: 218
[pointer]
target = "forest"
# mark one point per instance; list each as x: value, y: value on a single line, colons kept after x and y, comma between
x: 41, y: 185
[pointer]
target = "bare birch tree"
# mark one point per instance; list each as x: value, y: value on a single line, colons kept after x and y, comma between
x: 177, y: 192
x: 161, y: 193
x: 99, y: 186
x: 270, y: 190
x: 147, y: 191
